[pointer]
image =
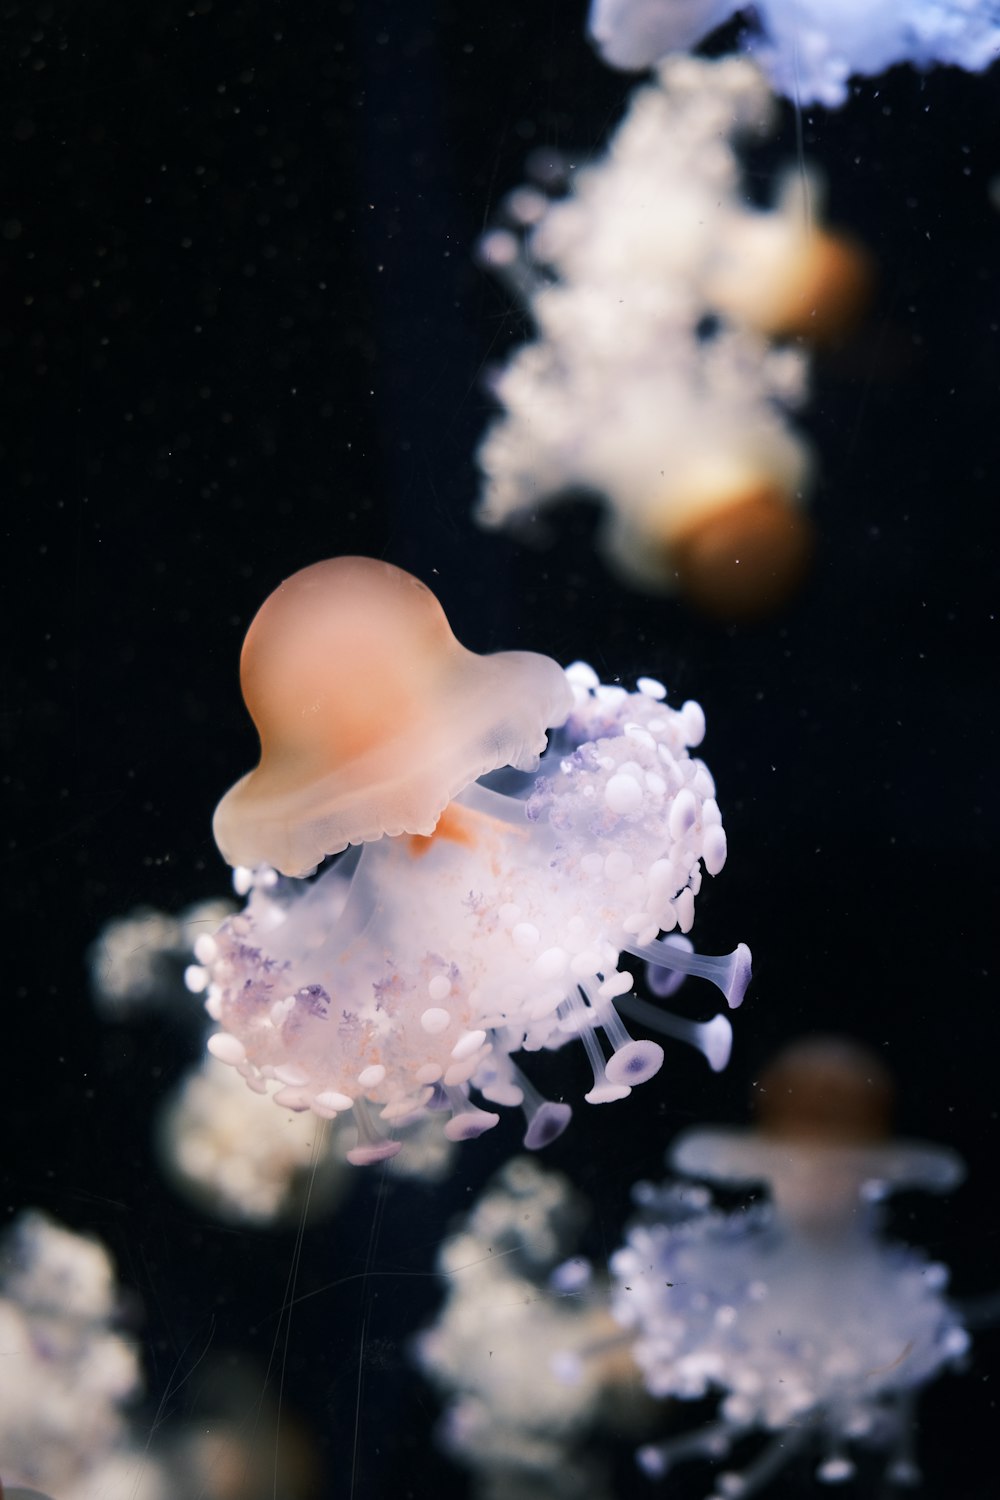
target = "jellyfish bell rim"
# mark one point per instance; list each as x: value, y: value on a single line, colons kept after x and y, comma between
x: 735, y: 1158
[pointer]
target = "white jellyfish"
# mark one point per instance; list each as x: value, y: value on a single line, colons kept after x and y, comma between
x: 463, y: 931
x: 671, y: 319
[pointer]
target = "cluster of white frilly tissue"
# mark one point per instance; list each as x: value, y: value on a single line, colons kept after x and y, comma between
x: 419, y: 976
x: 490, y: 1351
x: 66, y: 1372
x: 136, y: 961
x: 645, y: 368
x: 809, y: 49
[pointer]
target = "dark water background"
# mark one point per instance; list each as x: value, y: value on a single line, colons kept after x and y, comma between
x: 241, y: 330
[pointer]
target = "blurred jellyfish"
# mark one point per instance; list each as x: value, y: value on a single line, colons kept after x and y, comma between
x: 229, y: 1153
x: 658, y: 292
x: 463, y: 931
x: 809, y: 49
x: 137, y: 962
x: 240, y: 1161
x: 509, y: 1418
x: 218, y: 1454
x: 810, y: 1326
x: 66, y: 1375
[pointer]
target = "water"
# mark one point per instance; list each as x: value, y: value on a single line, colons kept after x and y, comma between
x: 242, y: 331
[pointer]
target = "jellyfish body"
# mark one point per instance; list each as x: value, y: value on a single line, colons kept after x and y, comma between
x: 808, y: 1325
x: 810, y: 49
x: 371, y: 715
x: 656, y: 380
x: 415, y: 968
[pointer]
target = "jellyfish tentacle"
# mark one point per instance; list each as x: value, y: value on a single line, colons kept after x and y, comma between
x: 713, y: 1038
x: 372, y: 1146
x: 729, y: 972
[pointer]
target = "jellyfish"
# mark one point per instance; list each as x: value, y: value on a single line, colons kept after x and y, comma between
x: 672, y: 319
x: 137, y: 961
x: 467, y: 923
x: 67, y: 1374
x: 808, y: 1324
x: 810, y: 49
x: 508, y: 1417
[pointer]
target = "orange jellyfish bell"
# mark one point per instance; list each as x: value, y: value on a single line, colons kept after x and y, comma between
x: 786, y: 274
x: 727, y: 528
x: 745, y: 557
x: 371, y: 715
x: 826, y: 1089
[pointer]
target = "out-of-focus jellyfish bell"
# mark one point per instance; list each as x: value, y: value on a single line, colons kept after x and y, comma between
x: 371, y: 715
x: 785, y: 273
x: 735, y: 545
x: 823, y: 1147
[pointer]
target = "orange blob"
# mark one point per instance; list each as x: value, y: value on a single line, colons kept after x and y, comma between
x: 371, y: 715
x: 827, y: 1091
x: 745, y: 556
x: 456, y: 826
x: 785, y: 274
x: 828, y: 290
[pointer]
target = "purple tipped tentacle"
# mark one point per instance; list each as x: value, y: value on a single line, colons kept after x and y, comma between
x: 545, y: 1118
x: 713, y: 1039
x: 729, y: 972
x: 372, y: 1146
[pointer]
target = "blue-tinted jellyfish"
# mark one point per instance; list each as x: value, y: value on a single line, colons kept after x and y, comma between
x: 810, y: 49
x: 809, y: 1325
x: 473, y: 923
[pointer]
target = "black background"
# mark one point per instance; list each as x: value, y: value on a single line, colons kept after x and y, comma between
x: 240, y: 330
